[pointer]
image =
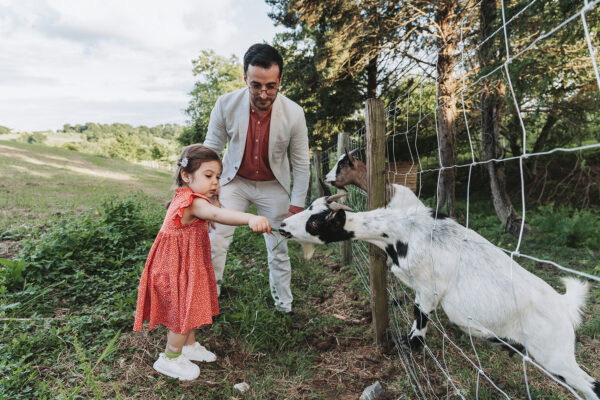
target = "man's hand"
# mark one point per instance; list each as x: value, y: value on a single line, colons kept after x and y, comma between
x: 259, y: 224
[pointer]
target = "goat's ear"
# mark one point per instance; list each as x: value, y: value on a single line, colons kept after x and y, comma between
x: 350, y: 158
x: 326, y: 190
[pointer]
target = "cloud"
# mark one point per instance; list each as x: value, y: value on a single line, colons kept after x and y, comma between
x: 126, y: 53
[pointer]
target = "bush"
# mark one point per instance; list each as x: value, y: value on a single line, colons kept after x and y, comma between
x: 563, y: 226
x: 34, y: 138
x: 100, y: 254
x: 71, y: 146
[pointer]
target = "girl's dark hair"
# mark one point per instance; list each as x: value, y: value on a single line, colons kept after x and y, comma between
x: 263, y: 55
x: 191, y: 158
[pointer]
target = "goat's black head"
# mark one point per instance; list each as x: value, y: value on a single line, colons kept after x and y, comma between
x: 322, y: 222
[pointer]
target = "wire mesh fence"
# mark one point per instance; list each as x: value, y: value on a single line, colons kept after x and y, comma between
x: 455, y: 364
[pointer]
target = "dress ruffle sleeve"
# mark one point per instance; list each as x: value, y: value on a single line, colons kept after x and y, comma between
x: 183, y: 203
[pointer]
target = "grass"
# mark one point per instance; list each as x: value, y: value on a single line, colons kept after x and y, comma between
x: 68, y: 289
x: 39, y: 183
x: 67, y: 300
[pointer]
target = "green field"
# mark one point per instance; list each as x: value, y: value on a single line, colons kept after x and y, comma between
x: 75, y: 232
x: 38, y: 181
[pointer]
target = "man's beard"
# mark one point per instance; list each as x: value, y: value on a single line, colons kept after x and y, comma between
x: 268, y: 103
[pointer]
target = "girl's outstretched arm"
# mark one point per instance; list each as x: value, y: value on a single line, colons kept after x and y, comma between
x: 202, y: 209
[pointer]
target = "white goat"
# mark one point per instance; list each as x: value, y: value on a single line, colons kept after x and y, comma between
x: 480, y: 288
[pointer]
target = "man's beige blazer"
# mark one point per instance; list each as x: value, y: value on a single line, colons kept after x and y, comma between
x: 229, y: 125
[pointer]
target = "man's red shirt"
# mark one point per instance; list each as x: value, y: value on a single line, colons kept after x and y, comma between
x: 255, y: 163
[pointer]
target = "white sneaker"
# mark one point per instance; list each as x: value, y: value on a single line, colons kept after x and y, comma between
x: 178, y: 367
x: 197, y: 352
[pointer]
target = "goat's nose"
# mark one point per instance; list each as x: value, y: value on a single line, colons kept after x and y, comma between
x: 282, y: 224
x: 285, y: 234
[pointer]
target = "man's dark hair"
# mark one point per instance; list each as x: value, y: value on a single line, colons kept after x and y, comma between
x: 264, y: 56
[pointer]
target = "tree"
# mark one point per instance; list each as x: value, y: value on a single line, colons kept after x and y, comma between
x: 125, y: 146
x: 337, y: 54
x: 327, y: 109
x: 217, y: 75
x: 492, y: 95
x: 158, y: 151
x: 376, y: 43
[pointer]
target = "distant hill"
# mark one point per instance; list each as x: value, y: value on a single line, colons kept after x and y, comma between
x: 117, y: 140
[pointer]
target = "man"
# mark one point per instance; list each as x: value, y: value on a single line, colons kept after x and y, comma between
x: 260, y: 127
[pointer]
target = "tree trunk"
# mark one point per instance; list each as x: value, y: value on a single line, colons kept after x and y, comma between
x: 545, y: 132
x: 491, y: 103
x: 445, y: 18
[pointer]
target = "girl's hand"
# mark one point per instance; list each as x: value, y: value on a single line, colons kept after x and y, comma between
x: 259, y: 224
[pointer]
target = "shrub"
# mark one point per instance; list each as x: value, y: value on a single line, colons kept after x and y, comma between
x: 36, y: 138
x: 100, y: 254
x: 563, y: 226
x: 71, y: 146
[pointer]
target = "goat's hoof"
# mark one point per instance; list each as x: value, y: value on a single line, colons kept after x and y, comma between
x: 397, y: 302
x: 414, y: 344
x: 511, y: 351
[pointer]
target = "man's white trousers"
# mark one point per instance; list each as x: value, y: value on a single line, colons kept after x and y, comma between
x: 271, y: 201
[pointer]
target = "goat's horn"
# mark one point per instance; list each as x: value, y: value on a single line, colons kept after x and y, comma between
x: 349, y: 156
x: 326, y: 190
x: 335, y: 197
x: 337, y: 206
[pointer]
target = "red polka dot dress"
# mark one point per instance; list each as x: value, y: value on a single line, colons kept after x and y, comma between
x: 178, y: 288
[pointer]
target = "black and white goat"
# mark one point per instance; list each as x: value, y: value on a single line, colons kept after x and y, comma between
x: 480, y: 288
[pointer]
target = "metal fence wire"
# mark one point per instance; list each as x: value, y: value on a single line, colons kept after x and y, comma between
x: 453, y: 364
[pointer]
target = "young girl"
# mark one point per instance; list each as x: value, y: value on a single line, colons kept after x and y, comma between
x: 178, y: 288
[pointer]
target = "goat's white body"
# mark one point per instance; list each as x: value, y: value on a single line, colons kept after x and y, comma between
x: 480, y: 288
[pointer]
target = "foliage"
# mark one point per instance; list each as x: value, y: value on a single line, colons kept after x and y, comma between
x: 327, y: 107
x: 565, y: 226
x: 34, y: 138
x: 11, y: 273
x: 92, y: 248
x: 94, y: 132
x: 124, y: 141
x: 216, y: 75
x: 89, y: 264
x: 4, y: 130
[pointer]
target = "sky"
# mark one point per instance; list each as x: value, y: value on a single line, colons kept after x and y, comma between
x: 127, y: 61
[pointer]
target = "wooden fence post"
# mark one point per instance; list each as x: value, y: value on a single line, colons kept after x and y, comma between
x: 317, y: 163
x: 375, y: 138
x: 345, y: 246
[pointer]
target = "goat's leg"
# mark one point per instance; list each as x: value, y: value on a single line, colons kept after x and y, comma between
x: 559, y: 359
x: 424, y: 306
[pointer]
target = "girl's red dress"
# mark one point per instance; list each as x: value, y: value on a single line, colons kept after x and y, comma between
x: 178, y: 288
